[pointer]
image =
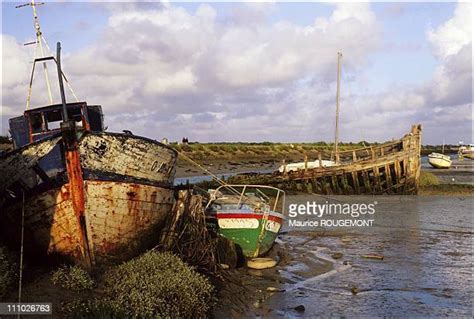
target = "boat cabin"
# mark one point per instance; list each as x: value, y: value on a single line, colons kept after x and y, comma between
x: 43, y: 122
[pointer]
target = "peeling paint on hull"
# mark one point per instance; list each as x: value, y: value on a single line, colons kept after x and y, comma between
x: 110, y: 199
x: 122, y: 219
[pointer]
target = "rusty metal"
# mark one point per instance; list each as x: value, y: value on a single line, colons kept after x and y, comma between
x: 113, y: 204
x: 76, y: 191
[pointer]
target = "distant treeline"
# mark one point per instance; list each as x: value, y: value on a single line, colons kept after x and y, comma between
x: 273, y: 147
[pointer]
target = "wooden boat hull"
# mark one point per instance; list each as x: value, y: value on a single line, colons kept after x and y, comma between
x: 254, y: 233
x: 390, y: 168
x: 439, y: 160
x: 122, y: 219
x: 107, y: 200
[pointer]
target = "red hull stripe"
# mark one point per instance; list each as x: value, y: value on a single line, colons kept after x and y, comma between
x: 247, y: 215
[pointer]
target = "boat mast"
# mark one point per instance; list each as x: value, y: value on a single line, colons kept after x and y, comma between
x: 39, y: 41
x: 336, y: 137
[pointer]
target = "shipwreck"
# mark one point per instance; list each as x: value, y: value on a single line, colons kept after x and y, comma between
x: 389, y: 168
x: 77, y: 191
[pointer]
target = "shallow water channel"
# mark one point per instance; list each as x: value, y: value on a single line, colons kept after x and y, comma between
x: 426, y: 270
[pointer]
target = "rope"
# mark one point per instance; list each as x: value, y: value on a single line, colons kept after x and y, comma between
x: 21, y: 248
x: 215, y: 177
x: 65, y: 79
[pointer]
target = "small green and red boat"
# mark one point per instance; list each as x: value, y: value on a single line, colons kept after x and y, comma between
x: 249, y: 215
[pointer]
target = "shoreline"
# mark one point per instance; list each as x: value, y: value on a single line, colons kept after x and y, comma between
x: 458, y: 180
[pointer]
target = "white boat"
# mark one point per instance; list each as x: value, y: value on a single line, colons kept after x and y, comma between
x: 466, y: 151
x: 302, y: 165
x: 438, y: 160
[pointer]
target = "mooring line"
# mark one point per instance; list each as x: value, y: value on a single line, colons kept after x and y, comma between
x: 215, y: 177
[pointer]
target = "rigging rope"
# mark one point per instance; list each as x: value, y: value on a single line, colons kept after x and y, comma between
x: 65, y: 79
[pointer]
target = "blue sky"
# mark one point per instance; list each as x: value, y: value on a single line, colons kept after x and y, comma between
x: 401, y: 58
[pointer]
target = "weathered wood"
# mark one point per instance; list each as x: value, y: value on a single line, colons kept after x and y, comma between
x: 19, y: 164
x: 365, y: 176
x: 125, y: 155
x: 345, y: 183
x: 400, y: 178
x: 355, y: 178
x: 388, y: 176
x: 306, y: 164
x: 378, y: 186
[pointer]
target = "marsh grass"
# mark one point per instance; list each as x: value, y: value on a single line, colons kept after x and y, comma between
x: 428, y: 179
x: 8, y: 273
x: 72, y: 278
x: 153, y: 285
x: 200, y: 151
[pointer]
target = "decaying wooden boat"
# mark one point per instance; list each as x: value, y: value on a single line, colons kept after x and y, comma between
x: 105, y: 198
x: 389, y: 168
x: 85, y: 194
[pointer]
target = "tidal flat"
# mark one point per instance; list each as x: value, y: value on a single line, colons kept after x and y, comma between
x: 425, y: 269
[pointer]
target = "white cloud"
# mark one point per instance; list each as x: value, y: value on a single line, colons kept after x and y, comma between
x: 449, y: 38
x: 165, y: 71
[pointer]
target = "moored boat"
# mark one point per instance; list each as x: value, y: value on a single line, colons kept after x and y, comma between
x: 305, y: 165
x: 249, y: 215
x: 438, y: 160
x: 466, y: 151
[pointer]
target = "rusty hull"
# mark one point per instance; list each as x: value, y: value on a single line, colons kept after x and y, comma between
x: 122, y: 220
x: 107, y: 203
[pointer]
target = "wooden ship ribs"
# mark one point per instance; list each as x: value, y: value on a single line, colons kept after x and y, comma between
x: 389, y: 168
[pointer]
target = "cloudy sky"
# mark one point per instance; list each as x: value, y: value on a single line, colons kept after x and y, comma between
x: 254, y: 71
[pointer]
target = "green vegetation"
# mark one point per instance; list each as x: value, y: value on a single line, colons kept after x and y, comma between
x: 93, y: 309
x: 73, y: 278
x: 154, y: 285
x: 428, y: 179
x: 228, y: 151
x: 7, y: 271
x: 447, y: 189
